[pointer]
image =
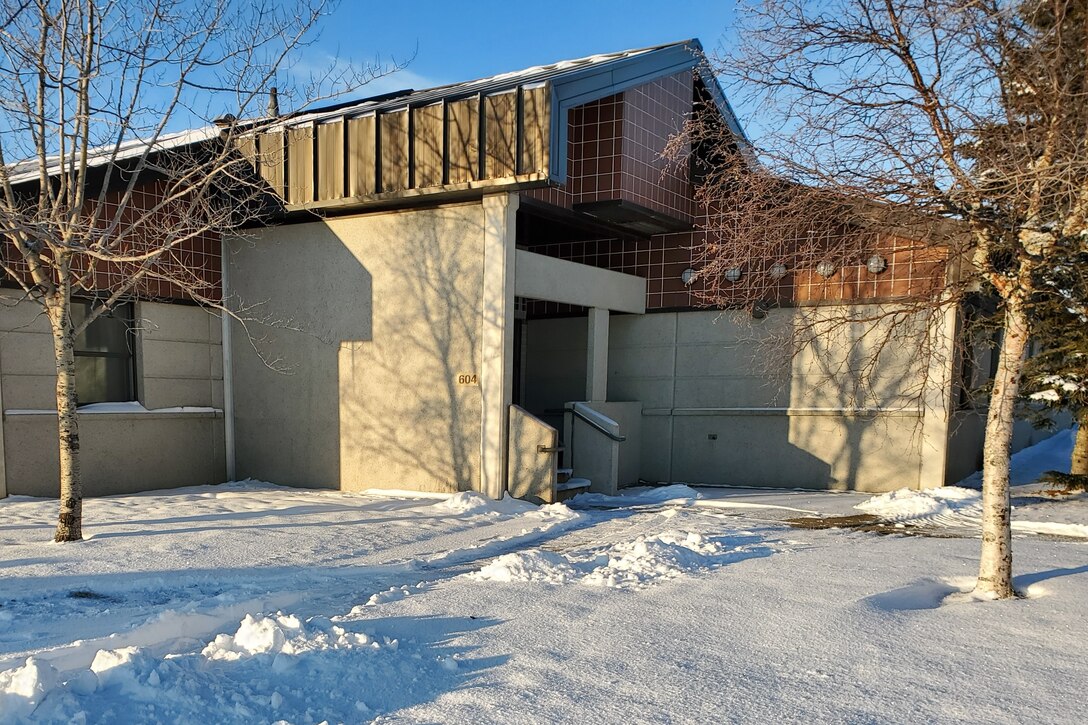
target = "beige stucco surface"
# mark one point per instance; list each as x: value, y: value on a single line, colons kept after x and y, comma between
x: 720, y: 406
x: 374, y: 319
x: 558, y: 280
x: 533, y: 456
x: 178, y: 364
x: 120, y: 453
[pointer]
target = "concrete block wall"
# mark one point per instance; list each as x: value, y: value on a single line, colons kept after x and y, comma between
x: 720, y: 407
x: 178, y: 364
x: 179, y: 356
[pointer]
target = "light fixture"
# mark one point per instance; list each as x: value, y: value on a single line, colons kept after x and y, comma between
x: 876, y: 264
x: 777, y: 270
x: 733, y: 274
x: 688, y: 276
x: 825, y: 268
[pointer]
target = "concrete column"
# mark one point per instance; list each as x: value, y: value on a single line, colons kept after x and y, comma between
x: 3, y: 455
x: 937, y: 400
x: 228, y: 367
x: 497, y: 339
x: 597, y: 355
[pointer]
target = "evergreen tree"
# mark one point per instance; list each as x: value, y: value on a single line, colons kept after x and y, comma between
x: 1057, y: 375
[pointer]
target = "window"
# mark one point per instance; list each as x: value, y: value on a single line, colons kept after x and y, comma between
x: 104, y: 360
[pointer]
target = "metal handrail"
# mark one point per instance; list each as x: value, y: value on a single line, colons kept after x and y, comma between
x: 596, y: 426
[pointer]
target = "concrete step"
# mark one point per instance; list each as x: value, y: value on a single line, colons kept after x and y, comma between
x: 563, y: 474
x: 571, y: 488
x: 574, y: 484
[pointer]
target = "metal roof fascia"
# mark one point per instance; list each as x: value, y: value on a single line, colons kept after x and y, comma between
x: 722, y: 102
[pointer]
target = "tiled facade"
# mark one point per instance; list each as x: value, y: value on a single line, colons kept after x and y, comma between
x: 652, y: 114
x: 614, y: 151
x: 192, y: 267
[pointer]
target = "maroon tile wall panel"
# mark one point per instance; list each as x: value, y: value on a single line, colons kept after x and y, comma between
x: 191, y: 267
x: 652, y: 114
x: 614, y: 149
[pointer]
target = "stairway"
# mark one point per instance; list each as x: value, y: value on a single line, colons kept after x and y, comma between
x: 567, y: 487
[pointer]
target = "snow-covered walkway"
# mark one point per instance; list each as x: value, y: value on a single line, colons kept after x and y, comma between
x: 255, y: 603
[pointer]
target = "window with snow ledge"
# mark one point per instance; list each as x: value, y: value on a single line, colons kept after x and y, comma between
x: 105, y: 364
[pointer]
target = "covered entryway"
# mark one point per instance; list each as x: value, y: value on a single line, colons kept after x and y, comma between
x: 566, y: 438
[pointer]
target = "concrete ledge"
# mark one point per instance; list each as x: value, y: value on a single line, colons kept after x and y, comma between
x: 151, y: 415
x: 540, y: 277
x: 792, y: 412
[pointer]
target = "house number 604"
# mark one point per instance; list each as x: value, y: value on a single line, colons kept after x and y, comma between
x: 468, y: 379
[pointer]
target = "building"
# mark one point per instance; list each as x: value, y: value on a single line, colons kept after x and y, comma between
x: 472, y: 284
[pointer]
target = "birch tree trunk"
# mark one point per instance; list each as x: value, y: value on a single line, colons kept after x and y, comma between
x: 70, y: 522
x: 1078, y: 466
x: 995, y: 566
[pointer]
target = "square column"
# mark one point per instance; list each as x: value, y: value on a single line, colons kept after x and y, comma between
x: 597, y: 355
x: 497, y: 339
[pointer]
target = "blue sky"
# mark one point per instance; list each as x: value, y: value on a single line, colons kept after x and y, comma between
x: 456, y: 41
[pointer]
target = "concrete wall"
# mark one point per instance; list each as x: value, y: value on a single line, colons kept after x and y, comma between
x: 557, y: 280
x: 178, y: 364
x: 375, y: 320
x: 967, y: 430
x: 720, y: 407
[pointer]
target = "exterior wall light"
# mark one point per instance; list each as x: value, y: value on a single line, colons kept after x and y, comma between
x: 825, y: 268
x: 733, y: 274
x: 777, y: 270
x: 876, y: 264
x: 688, y: 276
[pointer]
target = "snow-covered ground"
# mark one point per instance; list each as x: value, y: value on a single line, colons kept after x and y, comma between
x: 1038, y: 508
x: 254, y: 603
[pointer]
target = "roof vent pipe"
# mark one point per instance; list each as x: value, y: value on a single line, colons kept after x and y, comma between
x: 273, y: 102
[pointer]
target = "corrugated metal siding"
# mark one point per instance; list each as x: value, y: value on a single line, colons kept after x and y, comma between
x: 536, y: 120
x: 428, y: 148
x: 464, y: 140
x: 300, y: 166
x: 425, y: 147
x: 331, y: 158
x: 362, y: 156
x: 500, y: 135
x: 394, y: 150
x: 270, y: 151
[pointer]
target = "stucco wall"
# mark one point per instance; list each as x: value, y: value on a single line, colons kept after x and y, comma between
x: 178, y: 364
x: 374, y: 318
x: 720, y: 407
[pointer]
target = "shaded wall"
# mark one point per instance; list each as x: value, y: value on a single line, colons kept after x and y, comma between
x: 178, y: 356
x: 967, y: 433
x: 375, y: 318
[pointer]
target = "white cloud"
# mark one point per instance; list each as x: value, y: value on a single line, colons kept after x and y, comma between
x: 324, y: 75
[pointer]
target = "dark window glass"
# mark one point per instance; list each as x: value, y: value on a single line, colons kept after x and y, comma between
x: 104, y: 369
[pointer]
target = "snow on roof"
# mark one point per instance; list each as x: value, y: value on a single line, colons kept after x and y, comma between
x: 25, y: 171
x: 537, y: 74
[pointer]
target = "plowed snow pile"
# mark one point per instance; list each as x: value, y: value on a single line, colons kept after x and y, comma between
x: 628, y: 565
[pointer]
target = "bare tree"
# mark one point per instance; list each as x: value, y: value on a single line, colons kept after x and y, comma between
x: 104, y: 201
x: 950, y: 135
